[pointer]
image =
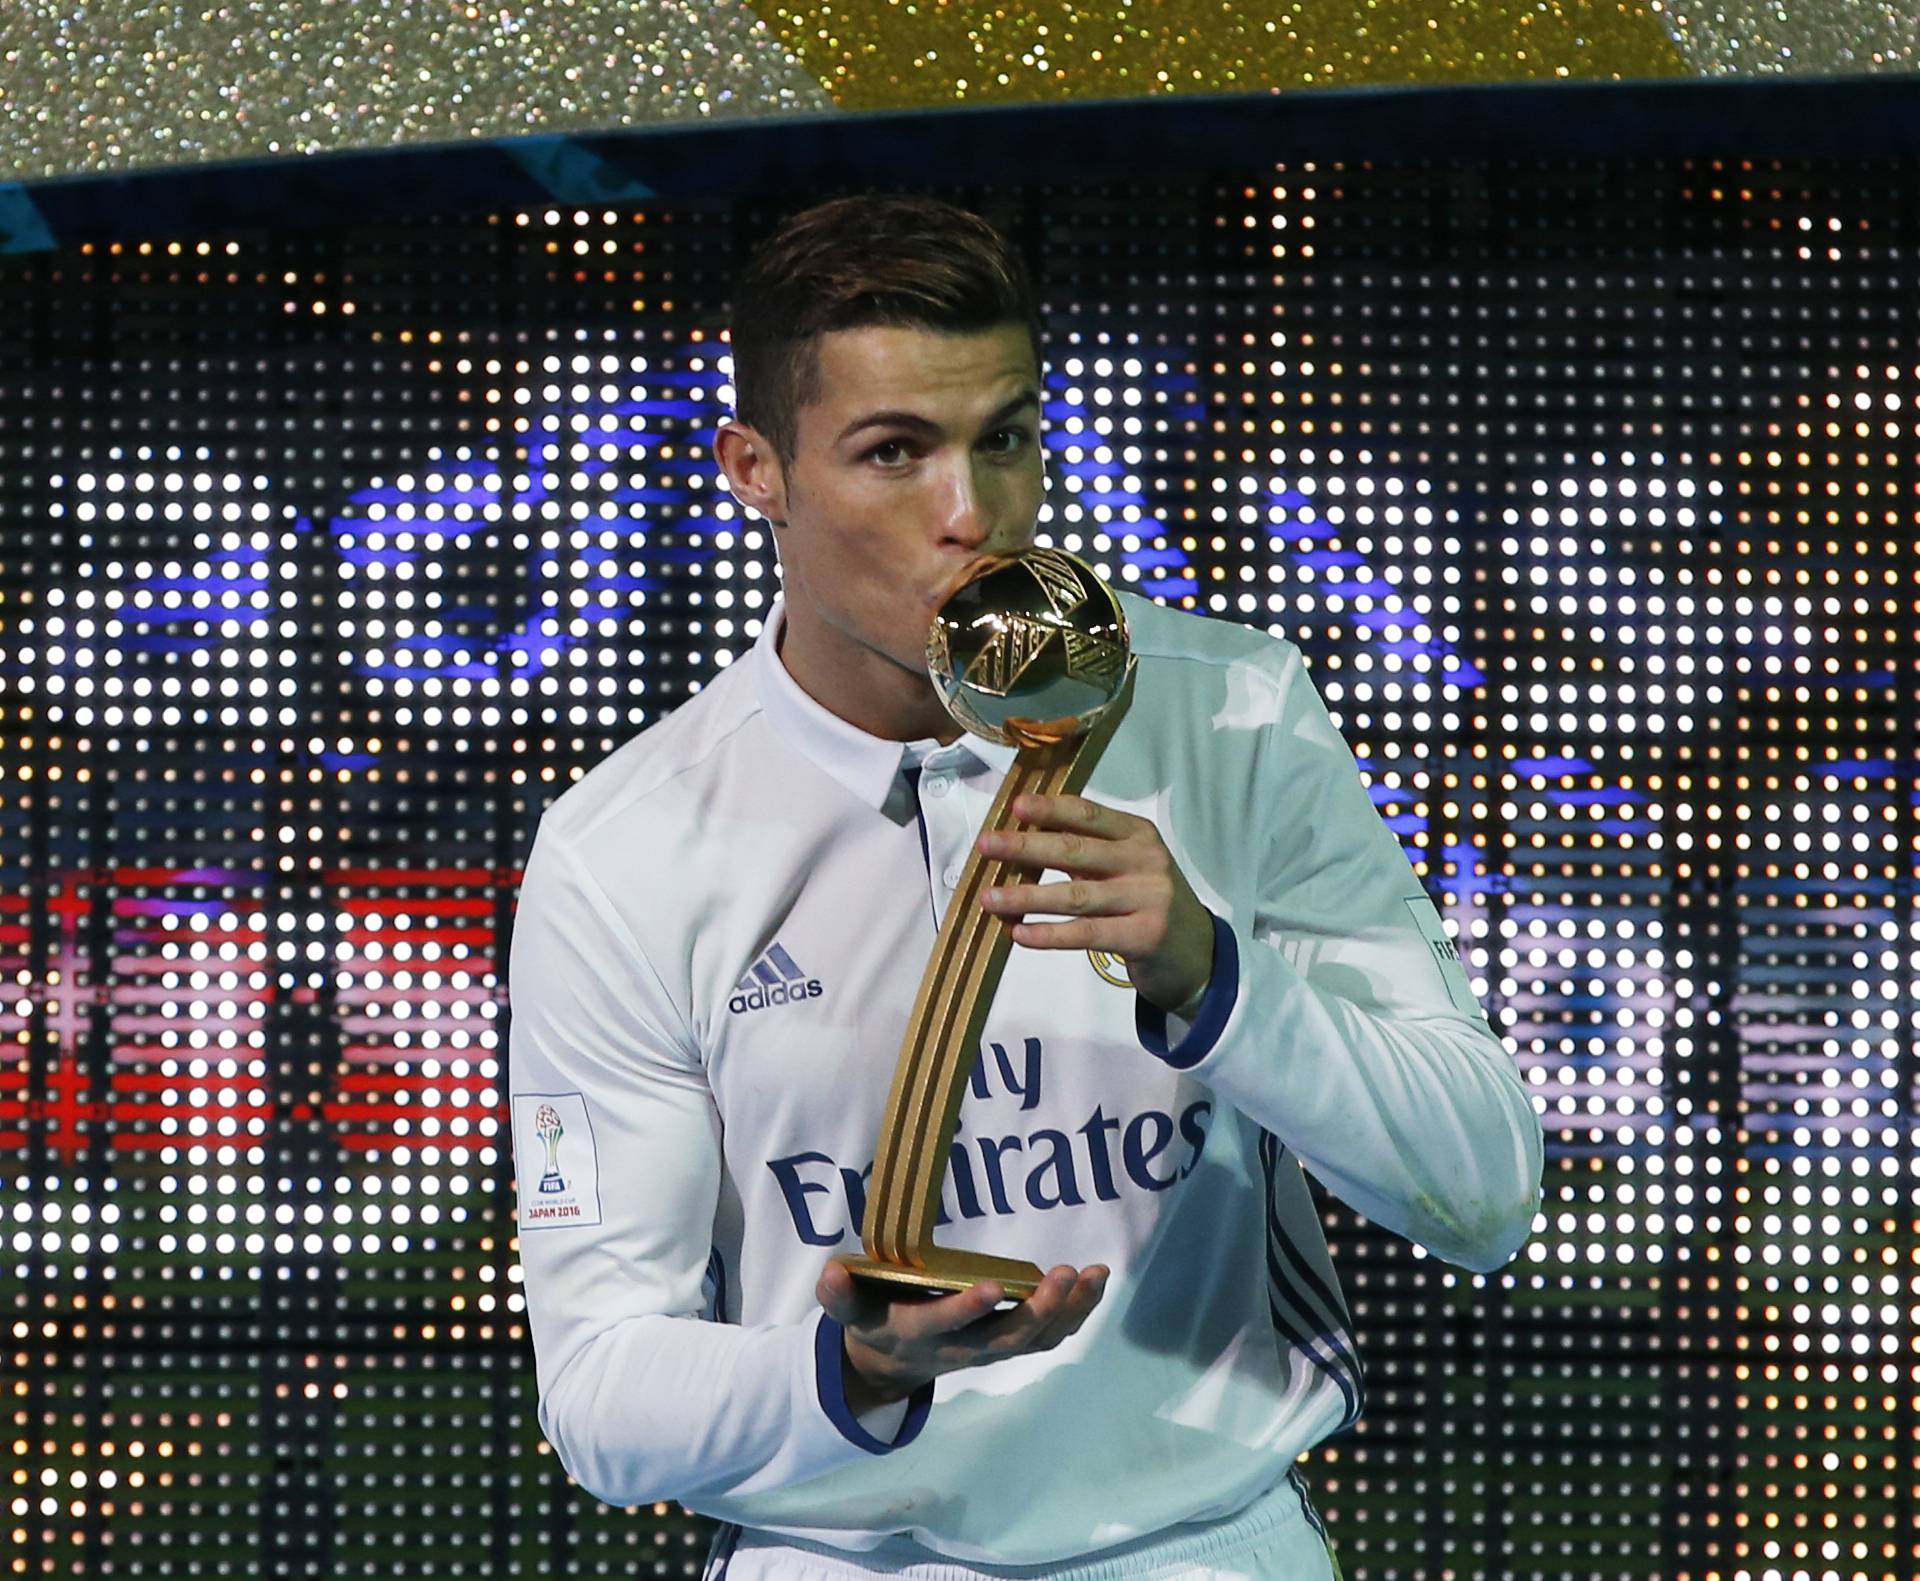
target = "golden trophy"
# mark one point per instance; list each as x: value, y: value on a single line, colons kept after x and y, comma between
x: 1030, y: 651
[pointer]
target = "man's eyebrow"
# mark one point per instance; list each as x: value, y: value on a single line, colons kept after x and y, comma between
x: 1027, y: 397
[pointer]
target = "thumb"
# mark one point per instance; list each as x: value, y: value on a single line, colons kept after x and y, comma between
x: 836, y: 1291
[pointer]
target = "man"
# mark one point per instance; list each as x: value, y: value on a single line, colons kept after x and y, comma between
x: 720, y: 935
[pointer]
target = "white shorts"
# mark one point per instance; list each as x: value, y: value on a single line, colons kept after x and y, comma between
x: 1278, y: 1537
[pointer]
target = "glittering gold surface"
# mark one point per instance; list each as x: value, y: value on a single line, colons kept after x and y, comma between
x: 88, y: 88
x: 1794, y: 37
x: 892, y: 54
x: 119, y: 86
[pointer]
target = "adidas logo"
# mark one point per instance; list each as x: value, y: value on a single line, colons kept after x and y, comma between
x: 774, y: 980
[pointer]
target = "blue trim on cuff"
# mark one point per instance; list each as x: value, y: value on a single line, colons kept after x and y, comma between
x: 828, y: 1351
x: 1223, y: 988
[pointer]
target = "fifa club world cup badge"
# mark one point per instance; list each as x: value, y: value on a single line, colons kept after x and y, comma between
x: 558, y: 1185
x: 547, y: 1126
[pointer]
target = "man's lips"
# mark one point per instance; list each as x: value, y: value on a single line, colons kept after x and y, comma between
x: 977, y: 569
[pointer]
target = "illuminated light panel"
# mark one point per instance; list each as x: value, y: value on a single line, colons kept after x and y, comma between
x: 1589, y: 495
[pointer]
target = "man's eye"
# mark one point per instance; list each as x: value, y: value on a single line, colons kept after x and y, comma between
x: 882, y: 452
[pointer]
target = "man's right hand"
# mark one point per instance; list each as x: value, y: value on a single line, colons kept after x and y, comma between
x: 893, y: 1345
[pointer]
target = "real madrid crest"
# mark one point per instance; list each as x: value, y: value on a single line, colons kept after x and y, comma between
x: 1111, y: 967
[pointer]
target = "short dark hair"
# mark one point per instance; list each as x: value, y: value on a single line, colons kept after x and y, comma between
x: 899, y: 259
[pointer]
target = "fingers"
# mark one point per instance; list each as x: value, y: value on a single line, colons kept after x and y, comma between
x: 1076, y: 1307
x: 1070, y: 853
x: 1075, y: 898
x: 849, y: 1301
x: 1053, y: 1312
x: 963, y: 1328
x: 963, y: 1307
x: 838, y: 1293
x: 855, y: 1304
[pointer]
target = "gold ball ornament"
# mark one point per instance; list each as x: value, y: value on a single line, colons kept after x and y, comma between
x: 1031, y: 649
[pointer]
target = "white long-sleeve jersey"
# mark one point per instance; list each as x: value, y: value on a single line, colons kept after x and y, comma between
x: 720, y: 934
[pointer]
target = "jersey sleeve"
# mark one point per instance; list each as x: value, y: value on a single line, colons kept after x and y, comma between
x: 616, y: 1146
x: 1338, y: 1015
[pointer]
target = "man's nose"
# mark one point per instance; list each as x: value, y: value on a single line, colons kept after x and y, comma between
x: 966, y: 509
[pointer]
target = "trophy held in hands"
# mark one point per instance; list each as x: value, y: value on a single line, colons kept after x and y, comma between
x: 1031, y: 652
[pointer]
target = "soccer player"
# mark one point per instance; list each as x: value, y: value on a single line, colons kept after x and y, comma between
x: 1227, y: 972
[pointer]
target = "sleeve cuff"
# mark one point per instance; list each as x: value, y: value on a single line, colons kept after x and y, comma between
x: 1223, y: 988
x: 828, y: 1351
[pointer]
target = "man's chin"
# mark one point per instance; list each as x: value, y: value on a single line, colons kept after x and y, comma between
x: 914, y: 662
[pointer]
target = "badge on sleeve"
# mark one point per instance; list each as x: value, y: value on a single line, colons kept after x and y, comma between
x: 1445, y: 957
x: 554, y: 1157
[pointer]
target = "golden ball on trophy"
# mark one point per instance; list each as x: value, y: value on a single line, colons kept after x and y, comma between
x: 1031, y: 650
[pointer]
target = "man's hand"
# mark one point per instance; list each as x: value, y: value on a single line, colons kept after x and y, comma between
x: 893, y: 1345
x: 1127, y: 896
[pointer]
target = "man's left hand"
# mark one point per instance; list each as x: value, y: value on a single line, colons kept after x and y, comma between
x: 1126, y: 894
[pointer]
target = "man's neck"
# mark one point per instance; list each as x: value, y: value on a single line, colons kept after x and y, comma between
x: 914, y: 714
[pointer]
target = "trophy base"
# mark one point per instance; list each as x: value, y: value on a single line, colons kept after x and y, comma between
x: 948, y: 1273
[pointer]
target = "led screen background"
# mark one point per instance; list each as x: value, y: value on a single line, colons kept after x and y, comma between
x: 328, y: 559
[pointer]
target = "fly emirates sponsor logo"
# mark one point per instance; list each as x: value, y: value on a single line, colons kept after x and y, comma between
x: 1042, y: 1168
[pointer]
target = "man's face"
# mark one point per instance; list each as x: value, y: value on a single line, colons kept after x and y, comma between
x: 886, y: 513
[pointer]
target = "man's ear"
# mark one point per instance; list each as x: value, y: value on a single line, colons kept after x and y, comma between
x: 752, y: 469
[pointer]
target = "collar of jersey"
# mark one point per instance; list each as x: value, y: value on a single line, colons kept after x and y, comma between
x: 866, y: 764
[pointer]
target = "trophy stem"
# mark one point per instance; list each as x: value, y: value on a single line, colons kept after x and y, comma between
x: 942, y: 1041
